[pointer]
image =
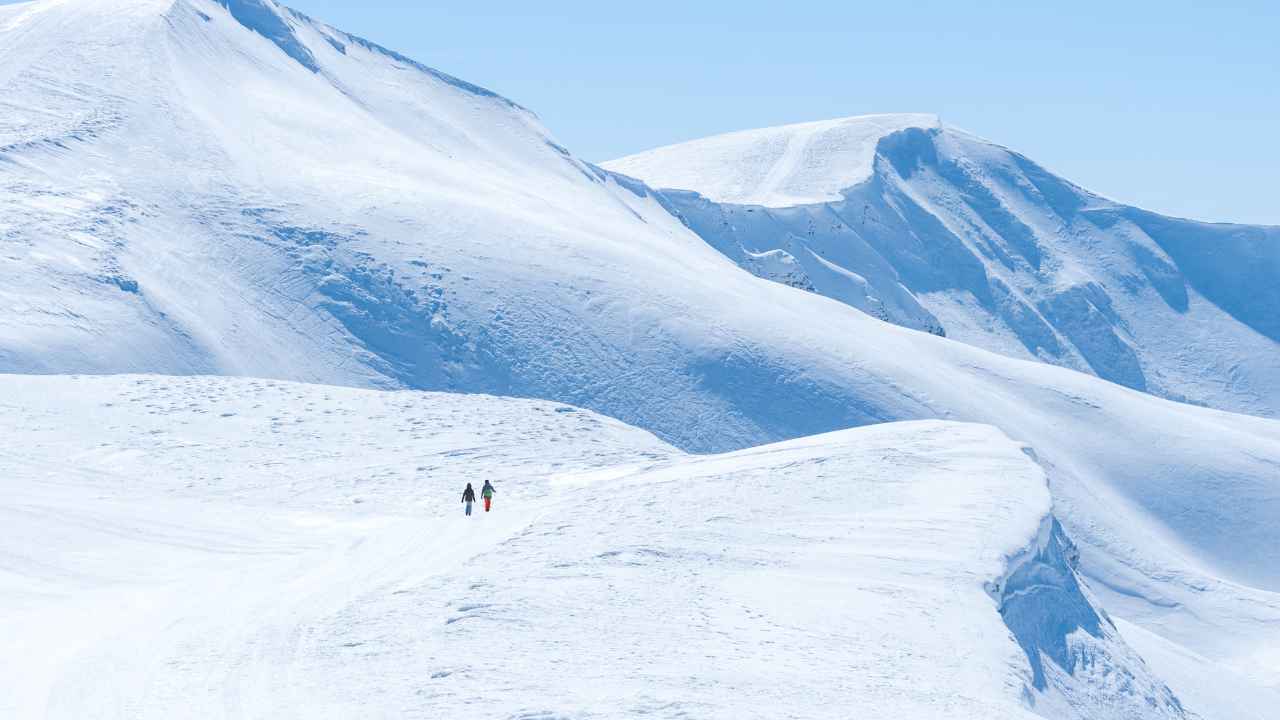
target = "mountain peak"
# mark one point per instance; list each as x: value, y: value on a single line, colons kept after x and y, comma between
x: 783, y: 166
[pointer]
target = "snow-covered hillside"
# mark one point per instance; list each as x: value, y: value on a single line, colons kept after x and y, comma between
x: 215, y: 547
x: 931, y: 228
x: 777, y: 167
x: 233, y: 188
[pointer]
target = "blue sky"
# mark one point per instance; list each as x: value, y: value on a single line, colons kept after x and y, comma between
x: 1173, y: 105
x: 1170, y: 105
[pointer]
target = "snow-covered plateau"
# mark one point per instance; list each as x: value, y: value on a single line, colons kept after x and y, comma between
x: 878, y: 522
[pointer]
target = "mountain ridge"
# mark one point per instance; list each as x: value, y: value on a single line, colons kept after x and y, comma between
x: 773, y: 166
x: 959, y: 236
x: 189, y: 199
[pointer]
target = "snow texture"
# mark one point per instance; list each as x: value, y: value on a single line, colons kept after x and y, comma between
x: 941, y: 231
x: 214, y: 547
x: 184, y: 192
x: 773, y: 167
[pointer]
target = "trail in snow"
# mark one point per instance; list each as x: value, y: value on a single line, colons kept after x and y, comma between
x: 226, y: 632
x: 170, y: 543
x: 459, y: 247
x: 785, y: 165
x: 194, y: 547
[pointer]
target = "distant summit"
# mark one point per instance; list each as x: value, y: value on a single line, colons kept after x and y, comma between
x: 934, y: 229
x: 782, y: 166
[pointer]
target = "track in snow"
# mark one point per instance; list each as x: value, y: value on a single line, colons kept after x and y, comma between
x: 215, y: 547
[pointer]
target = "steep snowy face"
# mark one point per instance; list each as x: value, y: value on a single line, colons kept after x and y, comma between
x: 943, y: 232
x: 272, y: 23
x: 234, y: 187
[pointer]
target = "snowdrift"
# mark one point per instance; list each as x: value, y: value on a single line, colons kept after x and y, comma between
x: 209, y: 547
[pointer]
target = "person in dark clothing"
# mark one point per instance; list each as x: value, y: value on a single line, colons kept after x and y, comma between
x: 486, y: 492
x: 468, y: 497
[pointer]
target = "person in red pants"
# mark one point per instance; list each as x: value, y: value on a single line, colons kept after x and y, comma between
x: 487, y: 493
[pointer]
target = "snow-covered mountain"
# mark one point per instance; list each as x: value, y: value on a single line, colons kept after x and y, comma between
x: 931, y: 228
x: 232, y: 188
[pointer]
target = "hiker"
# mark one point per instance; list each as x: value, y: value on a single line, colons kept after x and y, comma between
x: 487, y: 493
x: 468, y: 497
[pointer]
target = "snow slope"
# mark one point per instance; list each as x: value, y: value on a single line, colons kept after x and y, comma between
x: 931, y: 228
x: 240, y: 190
x: 800, y: 164
x: 214, y: 547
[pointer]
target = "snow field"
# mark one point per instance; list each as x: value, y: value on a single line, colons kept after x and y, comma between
x: 213, y: 547
x: 379, y: 224
x: 167, y: 541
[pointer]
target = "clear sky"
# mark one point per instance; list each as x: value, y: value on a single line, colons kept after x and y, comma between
x: 1172, y: 105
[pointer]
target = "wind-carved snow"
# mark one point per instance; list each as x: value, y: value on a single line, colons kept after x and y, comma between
x: 267, y: 20
x: 207, y: 547
x: 1079, y: 666
x: 778, y: 266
